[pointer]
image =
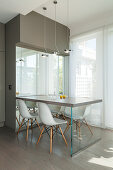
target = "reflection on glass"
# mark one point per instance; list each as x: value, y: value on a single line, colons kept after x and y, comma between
x: 38, y: 75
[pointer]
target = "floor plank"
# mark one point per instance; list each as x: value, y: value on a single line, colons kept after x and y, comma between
x: 16, y: 154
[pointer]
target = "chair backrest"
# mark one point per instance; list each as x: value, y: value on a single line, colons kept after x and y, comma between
x: 23, y: 109
x: 76, y: 111
x: 87, y: 111
x: 54, y: 108
x: 30, y: 104
x: 45, y: 114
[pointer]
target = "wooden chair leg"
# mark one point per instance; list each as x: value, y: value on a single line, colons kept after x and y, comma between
x: 27, y: 130
x: 19, y: 117
x: 67, y: 127
x: 51, y: 131
x: 63, y: 136
x: 88, y: 127
x: 31, y: 123
x: 56, y: 128
x: 57, y: 115
x: 17, y: 121
x: 20, y: 126
x: 40, y: 134
x: 38, y: 124
x: 76, y: 125
x: 79, y: 127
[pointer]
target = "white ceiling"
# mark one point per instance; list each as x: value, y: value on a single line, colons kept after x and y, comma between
x: 10, y: 8
x: 81, y: 12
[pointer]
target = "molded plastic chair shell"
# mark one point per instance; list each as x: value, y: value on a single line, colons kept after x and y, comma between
x: 24, y: 110
x: 46, y: 116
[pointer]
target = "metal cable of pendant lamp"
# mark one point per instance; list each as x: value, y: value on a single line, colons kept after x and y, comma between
x: 56, y: 49
x: 67, y: 50
x: 44, y: 55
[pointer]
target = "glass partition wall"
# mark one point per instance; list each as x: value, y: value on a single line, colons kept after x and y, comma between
x: 38, y: 75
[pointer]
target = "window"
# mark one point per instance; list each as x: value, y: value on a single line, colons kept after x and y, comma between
x: 38, y: 75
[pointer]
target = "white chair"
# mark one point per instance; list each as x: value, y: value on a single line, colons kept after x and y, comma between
x: 31, y: 106
x: 26, y: 116
x: 79, y: 115
x: 48, y: 120
x: 55, y: 109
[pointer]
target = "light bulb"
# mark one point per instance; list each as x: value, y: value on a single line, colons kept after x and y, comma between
x: 67, y: 51
x: 44, y: 55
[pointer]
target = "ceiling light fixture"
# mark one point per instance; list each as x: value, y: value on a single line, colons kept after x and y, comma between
x: 67, y: 50
x: 44, y: 55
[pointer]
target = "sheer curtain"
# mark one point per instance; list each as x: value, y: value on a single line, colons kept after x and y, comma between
x: 108, y: 76
x: 86, y: 72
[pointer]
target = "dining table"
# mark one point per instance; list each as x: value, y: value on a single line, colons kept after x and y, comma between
x: 67, y: 102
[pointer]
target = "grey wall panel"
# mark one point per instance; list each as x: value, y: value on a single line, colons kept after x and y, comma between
x: 2, y: 86
x: 2, y: 37
x: 12, y: 37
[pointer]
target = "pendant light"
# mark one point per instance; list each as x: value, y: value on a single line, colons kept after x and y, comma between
x: 56, y: 49
x: 67, y: 50
x: 44, y: 55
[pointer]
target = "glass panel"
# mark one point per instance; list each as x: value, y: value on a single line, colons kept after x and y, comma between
x: 83, y: 133
x: 38, y: 75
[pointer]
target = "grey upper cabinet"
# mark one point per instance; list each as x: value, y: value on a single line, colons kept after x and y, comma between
x: 50, y: 35
x: 2, y: 37
x: 32, y: 32
x: 31, y: 29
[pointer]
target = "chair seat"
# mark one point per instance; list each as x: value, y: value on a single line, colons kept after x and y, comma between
x: 74, y: 117
x: 57, y: 122
x: 32, y: 116
x: 60, y: 121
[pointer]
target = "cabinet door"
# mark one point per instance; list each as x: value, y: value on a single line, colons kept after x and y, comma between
x: 2, y: 86
x: 2, y: 37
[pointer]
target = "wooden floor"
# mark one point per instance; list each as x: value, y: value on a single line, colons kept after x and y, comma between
x: 16, y: 154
